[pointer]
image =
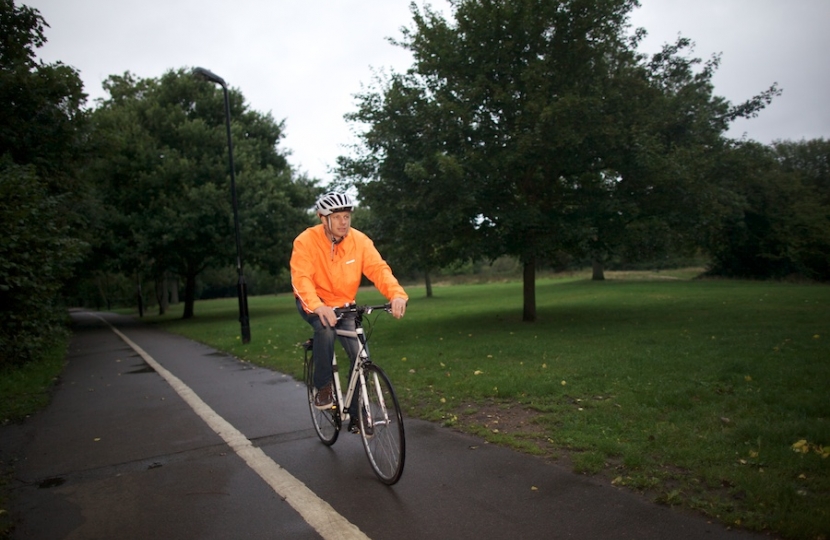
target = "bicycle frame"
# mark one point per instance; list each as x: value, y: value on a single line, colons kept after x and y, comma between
x: 356, y: 376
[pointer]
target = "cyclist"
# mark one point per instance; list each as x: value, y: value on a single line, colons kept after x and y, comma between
x: 327, y: 263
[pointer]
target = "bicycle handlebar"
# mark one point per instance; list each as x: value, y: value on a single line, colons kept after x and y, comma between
x: 361, y: 310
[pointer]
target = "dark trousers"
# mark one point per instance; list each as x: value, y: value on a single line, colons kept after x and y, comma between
x: 323, y: 349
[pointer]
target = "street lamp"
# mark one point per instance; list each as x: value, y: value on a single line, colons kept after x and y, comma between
x: 241, y: 289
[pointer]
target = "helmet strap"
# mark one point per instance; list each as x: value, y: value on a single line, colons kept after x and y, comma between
x: 334, y: 240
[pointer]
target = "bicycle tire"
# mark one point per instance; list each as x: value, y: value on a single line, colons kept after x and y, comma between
x: 326, y: 422
x: 386, y: 445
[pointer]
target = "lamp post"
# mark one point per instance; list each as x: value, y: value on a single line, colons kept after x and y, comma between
x: 241, y: 288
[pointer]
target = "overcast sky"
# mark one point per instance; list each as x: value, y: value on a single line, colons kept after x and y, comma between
x: 303, y: 60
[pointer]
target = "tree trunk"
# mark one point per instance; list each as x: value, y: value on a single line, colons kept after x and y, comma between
x: 139, y: 297
x: 598, y: 270
x: 529, y: 290
x: 102, y: 290
x: 102, y: 295
x: 189, y: 295
x: 428, y: 283
x: 173, y: 285
x: 161, y: 293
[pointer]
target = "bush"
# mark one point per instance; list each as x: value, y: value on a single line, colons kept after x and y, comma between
x: 36, y: 256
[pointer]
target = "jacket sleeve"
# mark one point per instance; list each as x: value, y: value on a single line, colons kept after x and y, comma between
x: 379, y: 272
x: 302, y: 274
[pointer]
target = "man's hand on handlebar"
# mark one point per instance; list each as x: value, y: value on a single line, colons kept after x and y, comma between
x: 327, y: 316
x: 398, y: 307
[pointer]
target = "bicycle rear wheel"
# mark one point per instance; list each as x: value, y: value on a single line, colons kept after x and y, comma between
x: 326, y: 422
x: 383, y: 439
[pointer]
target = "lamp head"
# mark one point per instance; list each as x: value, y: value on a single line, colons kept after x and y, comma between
x: 209, y: 76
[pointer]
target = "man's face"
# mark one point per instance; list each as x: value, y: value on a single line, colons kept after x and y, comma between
x: 337, y: 223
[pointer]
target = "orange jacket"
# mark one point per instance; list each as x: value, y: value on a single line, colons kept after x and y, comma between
x: 330, y: 274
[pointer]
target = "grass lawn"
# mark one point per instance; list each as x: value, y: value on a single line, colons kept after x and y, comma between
x: 711, y: 394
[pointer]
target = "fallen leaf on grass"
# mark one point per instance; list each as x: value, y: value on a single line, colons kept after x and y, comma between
x: 804, y: 447
x: 801, y: 446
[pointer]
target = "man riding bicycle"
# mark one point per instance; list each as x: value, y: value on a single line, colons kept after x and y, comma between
x: 327, y: 264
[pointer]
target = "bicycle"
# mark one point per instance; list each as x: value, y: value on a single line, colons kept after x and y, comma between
x: 381, y: 422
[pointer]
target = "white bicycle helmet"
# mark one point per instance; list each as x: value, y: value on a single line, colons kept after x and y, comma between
x: 334, y: 202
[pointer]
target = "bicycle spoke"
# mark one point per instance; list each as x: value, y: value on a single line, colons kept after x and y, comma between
x: 326, y: 422
x: 384, y: 440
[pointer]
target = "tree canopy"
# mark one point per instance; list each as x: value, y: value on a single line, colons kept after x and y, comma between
x: 41, y: 146
x: 775, y: 219
x: 561, y: 136
x: 161, y: 169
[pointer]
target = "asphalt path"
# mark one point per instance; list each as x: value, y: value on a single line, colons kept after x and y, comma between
x: 152, y: 435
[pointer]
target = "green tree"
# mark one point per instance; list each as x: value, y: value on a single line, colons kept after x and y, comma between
x: 775, y: 217
x: 528, y: 78
x: 406, y: 171
x: 810, y: 158
x: 37, y: 253
x: 42, y: 120
x: 570, y: 139
x: 670, y: 132
x: 41, y: 138
x: 163, y: 174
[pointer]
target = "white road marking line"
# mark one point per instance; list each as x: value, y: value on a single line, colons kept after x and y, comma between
x: 316, y: 512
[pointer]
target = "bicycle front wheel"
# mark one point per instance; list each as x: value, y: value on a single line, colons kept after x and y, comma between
x: 326, y: 422
x: 381, y: 427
